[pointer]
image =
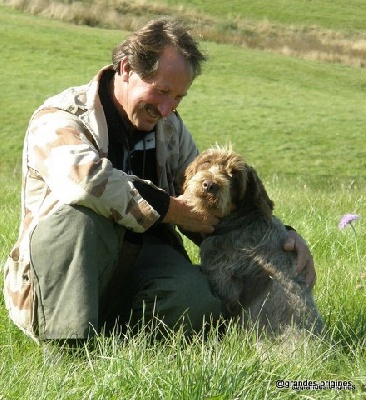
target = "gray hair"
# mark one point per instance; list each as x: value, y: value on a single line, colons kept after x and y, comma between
x: 144, y: 47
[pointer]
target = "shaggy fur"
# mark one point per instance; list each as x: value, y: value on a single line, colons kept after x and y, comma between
x: 244, y: 259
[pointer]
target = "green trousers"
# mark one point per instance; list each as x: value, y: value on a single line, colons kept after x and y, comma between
x: 88, y: 279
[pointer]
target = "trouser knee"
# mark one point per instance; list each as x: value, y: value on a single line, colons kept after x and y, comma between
x: 73, y: 254
x: 177, y: 302
x: 171, y: 289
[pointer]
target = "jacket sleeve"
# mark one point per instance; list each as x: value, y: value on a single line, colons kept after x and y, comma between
x: 177, y: 151
x: 64, y: 155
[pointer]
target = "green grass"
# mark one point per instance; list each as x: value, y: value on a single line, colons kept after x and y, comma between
x: 331, y: 14
x: 301, y: 124
x: 286, y: 115
x: 177, y: 369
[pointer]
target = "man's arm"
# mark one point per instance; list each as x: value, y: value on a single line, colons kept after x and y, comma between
x: 304, y: 262
x: 66, y: 160
x: 181, y: 214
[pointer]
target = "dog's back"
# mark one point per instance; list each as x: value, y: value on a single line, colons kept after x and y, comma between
x: 248, y: 267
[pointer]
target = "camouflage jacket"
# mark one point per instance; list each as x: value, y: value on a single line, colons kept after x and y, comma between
x: 65, y: 162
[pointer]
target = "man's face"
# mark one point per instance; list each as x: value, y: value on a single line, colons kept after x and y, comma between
x: 147, y: 101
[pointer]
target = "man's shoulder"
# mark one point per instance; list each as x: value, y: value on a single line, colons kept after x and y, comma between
x: 76, y: 99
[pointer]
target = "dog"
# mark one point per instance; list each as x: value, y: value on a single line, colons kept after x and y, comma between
x: 244, y: 258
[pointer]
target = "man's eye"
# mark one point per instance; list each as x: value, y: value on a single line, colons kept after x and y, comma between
x: 162, y: 92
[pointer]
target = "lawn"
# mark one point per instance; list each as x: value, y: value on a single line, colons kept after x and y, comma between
x: 330, y: 14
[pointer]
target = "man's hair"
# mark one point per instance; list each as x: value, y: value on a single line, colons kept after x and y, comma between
x: 144, y: 47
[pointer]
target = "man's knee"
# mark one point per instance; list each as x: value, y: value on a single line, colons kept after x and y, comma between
x: 183, y: 299
x: 73, y: 255
x: 75, y: 231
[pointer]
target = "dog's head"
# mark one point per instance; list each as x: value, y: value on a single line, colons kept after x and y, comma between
x: 219, y: 181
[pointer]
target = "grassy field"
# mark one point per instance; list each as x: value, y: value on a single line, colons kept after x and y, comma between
x: 330, y: 31
x: 331, y: 14
x: 301, y: 124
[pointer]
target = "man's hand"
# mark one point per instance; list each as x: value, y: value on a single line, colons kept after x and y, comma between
x: 181, y: 214
x: 304, y: 262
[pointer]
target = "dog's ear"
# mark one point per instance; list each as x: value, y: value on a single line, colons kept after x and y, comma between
x: 255, y: 195
x: 239, y: 185
x: 187, y: 175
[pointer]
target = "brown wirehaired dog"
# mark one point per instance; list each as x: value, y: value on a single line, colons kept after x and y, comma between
x: 244, y: 259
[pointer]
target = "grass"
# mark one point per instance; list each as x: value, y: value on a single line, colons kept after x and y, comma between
x: 327, y: 31
x: 331, y: 14
x: 176, y: 369
x: 264, y: 96
x: 301, y: 124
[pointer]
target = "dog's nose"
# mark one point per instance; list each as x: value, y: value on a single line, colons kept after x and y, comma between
x: 209, y: 186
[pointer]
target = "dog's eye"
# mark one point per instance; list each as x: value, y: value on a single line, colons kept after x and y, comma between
x: 204, y: 165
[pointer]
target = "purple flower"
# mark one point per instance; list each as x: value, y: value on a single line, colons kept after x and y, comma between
x: 347, y: 220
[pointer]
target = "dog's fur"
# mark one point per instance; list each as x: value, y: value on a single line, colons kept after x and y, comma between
x: 244, y: 259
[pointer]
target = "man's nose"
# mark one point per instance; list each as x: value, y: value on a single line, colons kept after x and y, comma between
x: 167, y: 106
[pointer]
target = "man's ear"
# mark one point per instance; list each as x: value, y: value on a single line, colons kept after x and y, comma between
x: 125, y: 69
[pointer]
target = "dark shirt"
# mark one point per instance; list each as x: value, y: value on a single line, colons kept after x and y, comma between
x: 122, y: 138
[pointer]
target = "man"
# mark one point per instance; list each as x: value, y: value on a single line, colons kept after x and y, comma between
x: 100, y: 199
